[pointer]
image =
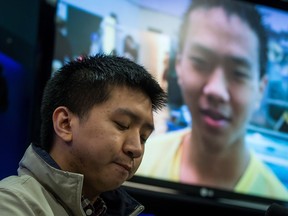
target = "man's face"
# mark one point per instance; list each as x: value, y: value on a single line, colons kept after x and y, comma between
x: 218, y: 73
x: 108, y: 144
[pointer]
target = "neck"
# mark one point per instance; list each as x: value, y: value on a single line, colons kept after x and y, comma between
x: 212, y: 164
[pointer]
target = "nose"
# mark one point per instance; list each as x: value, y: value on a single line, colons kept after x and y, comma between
x: 216, y: 87
x: 133, y: 146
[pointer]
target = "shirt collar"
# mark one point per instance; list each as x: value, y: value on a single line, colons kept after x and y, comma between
x: 45, y: 156
x: 97, y: 209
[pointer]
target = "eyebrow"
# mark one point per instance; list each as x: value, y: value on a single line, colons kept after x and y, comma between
x: 239, y: 60
x: 136, y: 118
x: 236, y: 59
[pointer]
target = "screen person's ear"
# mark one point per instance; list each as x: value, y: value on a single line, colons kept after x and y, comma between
x: 261, y: 91
x: 262, y: 86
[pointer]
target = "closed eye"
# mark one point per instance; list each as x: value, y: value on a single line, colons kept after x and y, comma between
x: 143, y: 140
x: 122, y: 126
x: 145, y: 135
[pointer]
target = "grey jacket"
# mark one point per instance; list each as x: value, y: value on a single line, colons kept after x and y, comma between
x: 41, y: 189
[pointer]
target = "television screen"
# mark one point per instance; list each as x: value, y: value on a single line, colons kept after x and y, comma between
x: 148, y: 33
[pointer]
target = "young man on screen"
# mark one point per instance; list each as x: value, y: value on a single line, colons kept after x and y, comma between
x: 221, y: 73
x: 97, y: 113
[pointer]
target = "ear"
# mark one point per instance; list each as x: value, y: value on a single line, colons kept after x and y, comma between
x: 263, y: 84
x: 261, y: 91
x: 262, y: 87
x: 62, y: 123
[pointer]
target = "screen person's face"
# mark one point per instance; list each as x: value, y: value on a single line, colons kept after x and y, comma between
x: 218, y: 73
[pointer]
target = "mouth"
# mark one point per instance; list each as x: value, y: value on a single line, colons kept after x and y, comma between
x: 126, y: 167
x: 217, y: 116
x: 215, y: 119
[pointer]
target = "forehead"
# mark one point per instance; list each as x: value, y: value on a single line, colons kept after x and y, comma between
x: 226, y: 34
x: 128, y: 96
x: 128, y: 101
x: 218, y: 18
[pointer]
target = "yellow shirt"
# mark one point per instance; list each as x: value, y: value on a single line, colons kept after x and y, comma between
x: 162, y: 161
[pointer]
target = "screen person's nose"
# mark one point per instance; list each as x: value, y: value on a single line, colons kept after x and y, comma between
x: 216, y: 85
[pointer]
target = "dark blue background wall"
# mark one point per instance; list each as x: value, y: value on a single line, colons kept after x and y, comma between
x: 26, y: 37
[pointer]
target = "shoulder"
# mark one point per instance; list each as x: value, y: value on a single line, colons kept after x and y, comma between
x: 17, y: 195
x: 14, y: 182
x: 19, y: 185
x: 259, y: 179
x: 260, y: 168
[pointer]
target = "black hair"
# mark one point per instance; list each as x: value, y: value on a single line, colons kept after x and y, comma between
x: 245, y: 10
x: 82, y: 83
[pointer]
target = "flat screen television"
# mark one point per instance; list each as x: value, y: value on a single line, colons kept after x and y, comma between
x: 146, y: 31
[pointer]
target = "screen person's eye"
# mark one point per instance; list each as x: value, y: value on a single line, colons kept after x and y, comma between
x: 240, y: 73
x: 201, y: 64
